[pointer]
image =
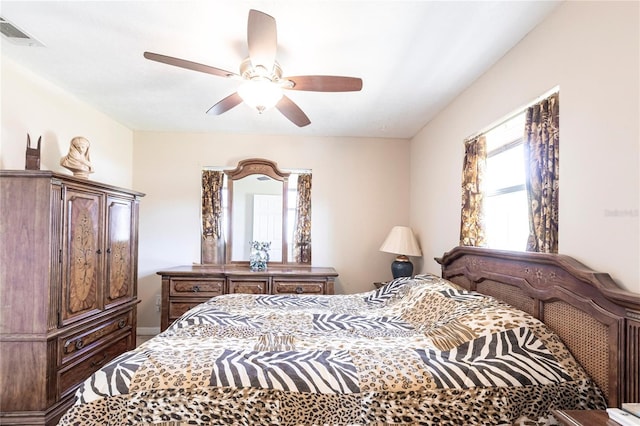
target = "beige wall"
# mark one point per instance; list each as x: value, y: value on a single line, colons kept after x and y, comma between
x: 359, y: 192
x: 591, y: 50
x: 35, y: 106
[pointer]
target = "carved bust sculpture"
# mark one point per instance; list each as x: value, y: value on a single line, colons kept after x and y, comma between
x: 78, y: 160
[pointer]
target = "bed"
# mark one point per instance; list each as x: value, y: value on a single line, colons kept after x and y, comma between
x: 501, y: 338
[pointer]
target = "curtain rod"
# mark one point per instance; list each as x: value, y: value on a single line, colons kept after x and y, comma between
x: 514, y: 113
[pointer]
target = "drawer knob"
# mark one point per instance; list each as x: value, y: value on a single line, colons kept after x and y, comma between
x: 100, y: 362
x: 79, y: 344
x: 196, y: 288
x: 299, y: 290
x: 122, y: 323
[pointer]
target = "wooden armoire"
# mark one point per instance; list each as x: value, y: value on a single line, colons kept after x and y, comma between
x: 68, y: 288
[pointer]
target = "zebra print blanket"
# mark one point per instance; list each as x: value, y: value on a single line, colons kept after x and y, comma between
x: 416, y: 351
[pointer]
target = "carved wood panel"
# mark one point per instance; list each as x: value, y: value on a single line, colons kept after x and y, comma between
x: 82, y: 257
x: 632, y: 354
x: 119, y: 252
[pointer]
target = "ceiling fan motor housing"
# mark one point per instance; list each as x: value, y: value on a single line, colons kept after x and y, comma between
x: 249, y: 71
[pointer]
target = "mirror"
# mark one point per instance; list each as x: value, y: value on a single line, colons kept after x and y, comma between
x: 256, y: 214
x: 260, y: 206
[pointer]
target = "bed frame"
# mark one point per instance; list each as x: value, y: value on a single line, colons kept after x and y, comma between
x: 597, y: 320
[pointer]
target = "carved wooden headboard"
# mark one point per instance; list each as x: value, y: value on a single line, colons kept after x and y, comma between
x: 597, y: 320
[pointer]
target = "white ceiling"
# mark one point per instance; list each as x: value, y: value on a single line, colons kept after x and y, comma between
x: 414, y: 57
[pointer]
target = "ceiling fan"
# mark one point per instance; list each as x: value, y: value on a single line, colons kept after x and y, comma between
x: 262, y: 76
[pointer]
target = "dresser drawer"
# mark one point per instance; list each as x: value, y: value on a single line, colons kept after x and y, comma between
x: 74, y: 373
x: 204, y: 288
x: 298, y: 287
x: 84, y: 340
x: 256, y: 286
x: 179, y: 307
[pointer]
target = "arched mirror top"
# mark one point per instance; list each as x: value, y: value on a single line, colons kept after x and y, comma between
x: 257, y: 166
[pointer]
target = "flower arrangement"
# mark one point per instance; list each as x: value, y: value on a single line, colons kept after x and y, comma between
x: 259, y: 255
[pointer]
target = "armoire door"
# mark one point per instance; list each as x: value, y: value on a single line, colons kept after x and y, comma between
x: 120, y: 251
x: 82, y: 254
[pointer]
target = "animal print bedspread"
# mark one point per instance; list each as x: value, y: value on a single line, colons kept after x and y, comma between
x: 416, y: 351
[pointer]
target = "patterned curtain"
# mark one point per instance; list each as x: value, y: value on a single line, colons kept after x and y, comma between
x: 472, y: 230
x: 212, y: 246
x: 541, y: 146
x: 302, y: 230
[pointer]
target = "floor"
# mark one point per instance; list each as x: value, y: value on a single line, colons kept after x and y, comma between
x: 141, y: 339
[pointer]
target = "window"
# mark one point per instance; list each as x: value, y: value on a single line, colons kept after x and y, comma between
x: 505, y: 208
x: 510, y: 182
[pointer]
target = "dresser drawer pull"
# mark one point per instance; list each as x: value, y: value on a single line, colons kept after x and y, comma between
x: 79, y: 344
x: 299, y: 290
x: 122, y: 323
x: 97, y: 363
x: 196, y: 288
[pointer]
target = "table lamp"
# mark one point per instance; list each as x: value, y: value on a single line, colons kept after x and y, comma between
x: 402, y: 242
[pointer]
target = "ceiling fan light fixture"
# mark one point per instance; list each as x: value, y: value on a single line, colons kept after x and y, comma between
x: 262, y: 75
x: 260, y: 94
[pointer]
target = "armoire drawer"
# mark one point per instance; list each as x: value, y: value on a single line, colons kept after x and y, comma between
x: 84, y: 340
x: 204, y: 288
x: 74, y: 373
x: 298, y: 287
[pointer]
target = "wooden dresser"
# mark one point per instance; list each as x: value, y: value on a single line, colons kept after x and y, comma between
x: 68, y: 288
x: 184, y: 287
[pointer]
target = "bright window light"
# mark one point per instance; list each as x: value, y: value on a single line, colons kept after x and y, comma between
x: 506, y: 214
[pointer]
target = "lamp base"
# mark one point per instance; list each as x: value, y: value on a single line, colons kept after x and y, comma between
x: 401, y: 267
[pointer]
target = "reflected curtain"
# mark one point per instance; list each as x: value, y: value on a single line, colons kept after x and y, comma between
x: 212, y: 236
x: 541, y: 145
x: 302, y: 230
x: 472, y: 228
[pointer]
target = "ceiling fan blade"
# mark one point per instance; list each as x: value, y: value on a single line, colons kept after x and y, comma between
x: 225, y: 105
x: 182, y: 63
x: 262, y: 39
x: 293, y: 112
x: 325, y: 83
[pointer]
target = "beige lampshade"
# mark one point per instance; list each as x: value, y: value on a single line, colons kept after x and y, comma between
x: 401, y: 241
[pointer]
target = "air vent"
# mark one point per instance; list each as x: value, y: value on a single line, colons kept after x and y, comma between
x: 15, y: 35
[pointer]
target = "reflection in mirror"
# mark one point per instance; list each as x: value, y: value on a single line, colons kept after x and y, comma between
x: 256, y: 213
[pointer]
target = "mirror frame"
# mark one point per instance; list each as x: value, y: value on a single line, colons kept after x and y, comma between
x: 256, y: 166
